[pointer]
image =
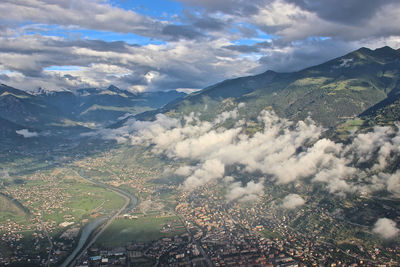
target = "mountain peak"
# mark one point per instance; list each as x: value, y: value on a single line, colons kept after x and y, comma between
x: 6, y: 88
x: 384, y: 48
x: 113, y: 88
x: 364, y: 50
x: 269, y: 72
x: 386, y: 51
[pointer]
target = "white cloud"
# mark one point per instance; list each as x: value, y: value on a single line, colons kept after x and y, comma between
x: 199, y: 49
x: 292, y: 201
x: 377, y: 139
x: 97, y: 15
x: 283, y: 151
x: 388, y: 181
x: 386, y: 228
x: 251, y: 192
x: 184, y: 171
x: 210, y: 170
x: 393, y: 183
x: 98, y: 63
x: 26, y: 133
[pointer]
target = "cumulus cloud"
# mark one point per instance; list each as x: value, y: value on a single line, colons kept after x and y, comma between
x: 388, y: 181
x: 210, y: 170
x: 184, y: 170
x: 209, y: 42
x: 26, y: 133
x: 33, y: 60
x: 251, y: 192
x: 297, y: 20
x: 89, y: 15
x: 350, y: 12
x: 386, y: 228
x: 283, y: 152
x: 292, y: 201
x: 393, y: 183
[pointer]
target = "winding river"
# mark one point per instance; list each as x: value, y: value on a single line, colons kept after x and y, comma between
x: 101, y: 224
x: 86, y: 231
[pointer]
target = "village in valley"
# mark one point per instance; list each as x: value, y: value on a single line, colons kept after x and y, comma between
x: 169, y: 226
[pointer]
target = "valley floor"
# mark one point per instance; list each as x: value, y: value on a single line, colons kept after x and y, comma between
x: 43, y: 212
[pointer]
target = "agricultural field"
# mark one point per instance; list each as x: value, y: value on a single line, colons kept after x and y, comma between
x: 46, y: 204
x: 11, y: 211
x: 140, y: 230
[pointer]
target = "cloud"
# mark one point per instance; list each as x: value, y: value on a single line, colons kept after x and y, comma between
x: 234, y: 7
x: 209, y: 23
x: 388, y: 181
x: 299, y: 20
x: 97, y: 15
x: 349, y: 12
x: 209, y: 42
x: 292, y: 201
x: 26, y: 133
x: 379, y: 144
x: 178, y: 31
x: 184, y: 171
x: 283, y: 152
x: 98, y: 63
x: 386, y: 228
x: 251, y: 192
x: 393, y: 183
x: 257, y: 47
x: 296, y: 56
x: 210, y: 170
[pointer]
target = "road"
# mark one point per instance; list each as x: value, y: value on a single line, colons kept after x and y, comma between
x: 203, y: 253
x: 46, y: 233
x: 130, y: 201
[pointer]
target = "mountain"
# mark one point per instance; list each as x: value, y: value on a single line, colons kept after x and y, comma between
x: 385, y: 112
x: 25, y: 109
x: 329, y: 93
x: 362, y: 83
x: 72, y: 112
x: 106, y: 106
x: 8, y: 128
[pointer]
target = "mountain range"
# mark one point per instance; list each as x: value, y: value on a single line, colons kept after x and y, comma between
x: 81, y: 110
x: 363, y: 83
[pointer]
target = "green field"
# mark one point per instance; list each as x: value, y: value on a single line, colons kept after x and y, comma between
x: 83, y: 205
x: 87, y: 199
x: 144, y: 229
x: 351, y: 125
x: 270, y: 234
x: 9, y: 210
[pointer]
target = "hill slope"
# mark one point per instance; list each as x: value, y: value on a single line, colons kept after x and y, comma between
x: 71, y: 113
x: 330, y: 93
x: 105, y: 106
x: 25, y: 109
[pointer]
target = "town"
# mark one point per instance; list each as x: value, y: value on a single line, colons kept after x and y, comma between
x: 169, y: 226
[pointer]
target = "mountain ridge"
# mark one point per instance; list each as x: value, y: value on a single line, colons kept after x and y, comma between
x: 67, y: 110
x: 329, y: 93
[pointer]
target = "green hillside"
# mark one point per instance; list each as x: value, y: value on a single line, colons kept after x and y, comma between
x: 329, y: 93
x: 70, y: 113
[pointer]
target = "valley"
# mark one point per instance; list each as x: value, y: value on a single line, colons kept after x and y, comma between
x: 277, y: 169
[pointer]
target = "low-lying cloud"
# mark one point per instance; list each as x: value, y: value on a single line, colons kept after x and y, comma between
x: 251, y: 192
x: 26, y: 133
x: 386, y: 228
x: 283, y: 152
x: 293, y: 201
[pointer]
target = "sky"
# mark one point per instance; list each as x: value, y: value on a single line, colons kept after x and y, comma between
x: 153, y: 45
